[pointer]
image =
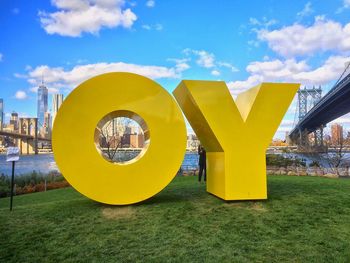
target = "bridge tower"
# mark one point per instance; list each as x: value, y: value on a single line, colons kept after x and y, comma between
x: 308, y: 98
x: 28, y: 126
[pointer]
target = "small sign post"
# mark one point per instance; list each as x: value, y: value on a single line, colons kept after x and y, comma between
x: 12, y: 156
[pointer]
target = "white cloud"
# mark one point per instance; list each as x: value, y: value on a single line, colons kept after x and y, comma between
x: 277, y: 69
x: 307, y: 10
x: 205, y: 59
x: 1, y: 56
x: 287, y: 123
x: 58, y: 77
x: 254, y: 43
x: 290, y: 70
x: 346, y: 4
x: 150, y: 3
x: 20, y: 76
x: 215, y: 72
x: 282, y: 130
x: 239, y: 86
x: 329, y: 71
x: 299, y: 40
x: 345, y: 120
x: 157, y: 27
x: 286, y: 126
x: 147, y: 27
x: 256, y: 25
x: 21, y: 95
x: 264, y: 22
x: 75, y: 17
x: 228, y: 65
x: 180, y: 64
x: 50, y: 89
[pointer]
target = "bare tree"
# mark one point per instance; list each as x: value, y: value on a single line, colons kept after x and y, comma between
x: 112, y: 134
x: 334, y: 156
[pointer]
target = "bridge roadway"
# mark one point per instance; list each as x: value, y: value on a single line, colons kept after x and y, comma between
x: 22, y: 136
x: 333, y: 105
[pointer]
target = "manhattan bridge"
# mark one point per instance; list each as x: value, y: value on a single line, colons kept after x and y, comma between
x: 315, y: 111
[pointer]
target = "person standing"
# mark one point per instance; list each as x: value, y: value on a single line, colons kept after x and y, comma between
x: 202, y: 163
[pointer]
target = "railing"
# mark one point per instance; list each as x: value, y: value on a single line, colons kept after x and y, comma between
x: 309, y: 171
x: 290, y: 170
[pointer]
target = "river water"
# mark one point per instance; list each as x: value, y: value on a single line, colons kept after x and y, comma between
x: 45, y: 163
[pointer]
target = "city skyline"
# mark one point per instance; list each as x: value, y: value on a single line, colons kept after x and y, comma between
x: 306, y: 42
x: 42, y: 105
x: 1, y: 113
x: 57, y: 100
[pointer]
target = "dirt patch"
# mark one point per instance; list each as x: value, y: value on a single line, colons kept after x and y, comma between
x: 256, y: 206
x: 233, y: 204
x: 118, y: 212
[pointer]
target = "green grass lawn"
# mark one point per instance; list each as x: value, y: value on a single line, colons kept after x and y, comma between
x: 305, y: 219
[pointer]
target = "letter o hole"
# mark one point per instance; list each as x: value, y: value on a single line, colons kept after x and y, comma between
x: 122, y: 137
x: 78, y: 126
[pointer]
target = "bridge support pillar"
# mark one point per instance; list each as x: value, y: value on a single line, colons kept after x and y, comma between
x: 26, y: 146
x: 319, y: 137
x: 304, y: 138
x: 31, y: 149
x: 35, y: 136
x: 23, y: 146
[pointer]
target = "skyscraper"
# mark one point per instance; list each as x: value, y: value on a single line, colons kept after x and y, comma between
x: 337, y: 134
x: 57, y: 100
x: 14, y: 121
x: 47, y: 125
x: 1, y: 113
x: 42, y: 105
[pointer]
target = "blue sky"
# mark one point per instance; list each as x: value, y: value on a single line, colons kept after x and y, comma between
x: 240, y: 42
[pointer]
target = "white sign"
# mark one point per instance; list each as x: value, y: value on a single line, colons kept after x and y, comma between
x: 12, y: 154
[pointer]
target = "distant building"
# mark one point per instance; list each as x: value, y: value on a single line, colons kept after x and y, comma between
x: 42, y: 105
x: 135, y: 129
x: 47, y: 124
x: 192, y: 142
x: 14, y: 122
x: 1, y: 114
x: 57, y: 100
x: 136, y: 141
x: 125, y: 141
x: 287, y: 139
x: 127, y: 130
x: 337, y: 134
x: 312, y: 138
x: 327, y: 139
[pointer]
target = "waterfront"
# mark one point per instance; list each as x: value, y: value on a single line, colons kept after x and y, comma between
x: 45, y: 163
x: 42, y: 163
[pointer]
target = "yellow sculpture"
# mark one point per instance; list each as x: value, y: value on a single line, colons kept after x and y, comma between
x: 108, y: 96
x: 235, y: 134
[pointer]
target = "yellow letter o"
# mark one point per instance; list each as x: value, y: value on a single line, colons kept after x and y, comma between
x: 74, y: 144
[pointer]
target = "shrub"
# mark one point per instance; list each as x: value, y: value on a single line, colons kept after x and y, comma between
x: 281, y: 161
x: 33, y: 182
x: 315, y: 164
